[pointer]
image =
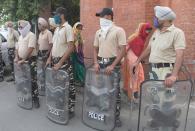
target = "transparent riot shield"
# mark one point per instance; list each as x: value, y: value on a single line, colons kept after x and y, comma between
x: 100, y: 96
x: 41, y: 76
x: 57, y: 95
x: 162, y: 108
x: 23, y: 85
x: 189, y: 67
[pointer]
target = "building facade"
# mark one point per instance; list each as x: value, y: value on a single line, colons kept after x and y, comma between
x: 129, y: 13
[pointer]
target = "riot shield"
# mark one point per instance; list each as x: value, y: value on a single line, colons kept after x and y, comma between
x: 41, y: 76
x: 162, y: 108
x: 57, y: 95
x: 99, y: 105
x: 23, y: 85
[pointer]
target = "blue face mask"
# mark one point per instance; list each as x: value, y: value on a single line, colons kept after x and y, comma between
x: 57, y: 19
x: 156, y: 23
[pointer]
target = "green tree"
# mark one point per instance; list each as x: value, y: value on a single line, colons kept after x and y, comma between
x: 21, y: 9
x: 29, y: 9
x: 72, y: 6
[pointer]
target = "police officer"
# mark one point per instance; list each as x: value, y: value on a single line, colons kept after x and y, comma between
x: 26, y: 51
x: 166, y: 47
x: 12, y: 39
x: 109, y: 49
x: 45, y: 39
x: 166, y: 51
x: 62, y: 48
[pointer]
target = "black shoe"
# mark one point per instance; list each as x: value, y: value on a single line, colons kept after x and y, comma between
x: 71, y: 115
x: 136, y: 95
x: 118, y: 123
x: 1, y: 79
x: 36, y: 103
x: 10, y: 79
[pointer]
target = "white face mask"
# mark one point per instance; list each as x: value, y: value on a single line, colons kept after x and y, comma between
x: 105, y: 24
x: 25, y: 30
x: 9, y: 30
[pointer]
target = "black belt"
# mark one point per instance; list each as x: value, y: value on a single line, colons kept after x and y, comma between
x: 42, y: 52
x: 106, y: 60
x: 162, y: 65
x: 11, y: 48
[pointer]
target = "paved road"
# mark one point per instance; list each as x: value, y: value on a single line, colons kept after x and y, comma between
x: 13, y: 118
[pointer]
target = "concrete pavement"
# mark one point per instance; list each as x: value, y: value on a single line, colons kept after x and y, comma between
x: 13, y: 118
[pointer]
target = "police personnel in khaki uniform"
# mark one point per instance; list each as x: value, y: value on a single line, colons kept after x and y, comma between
x: 109, y: 49
x: 26, y: 51
x: 44, y: 40
x: 166, y: 47
x: 62, y: 48
x: 12, y: 39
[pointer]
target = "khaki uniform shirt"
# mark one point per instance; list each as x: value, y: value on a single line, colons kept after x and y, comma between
x: 45, y: 39
x: 108, y: 47
x: 164, y: 45
x: 24, y: 43
x: 62, y: 36
x: 12, y: 38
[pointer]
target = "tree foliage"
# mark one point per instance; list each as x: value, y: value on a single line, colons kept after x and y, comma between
x: 72, y: 6
x: 29, y: 9
x: 20, y: 9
